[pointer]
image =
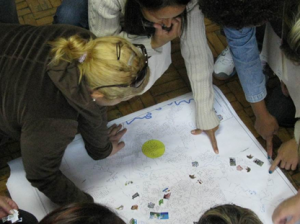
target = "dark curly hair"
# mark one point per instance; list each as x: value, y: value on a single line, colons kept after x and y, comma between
x: 241, y: 13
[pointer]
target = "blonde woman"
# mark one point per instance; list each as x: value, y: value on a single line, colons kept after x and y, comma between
x: 55, y: 82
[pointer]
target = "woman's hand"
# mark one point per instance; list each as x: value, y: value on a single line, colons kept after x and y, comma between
x: 115, y: 134
x: 287, y: 156
x: 211, y: 135
x: 6, y: 205
x: 161, y: 36
x: 288, y: 208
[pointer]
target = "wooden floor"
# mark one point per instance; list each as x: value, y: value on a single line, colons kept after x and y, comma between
x: 173, y: 83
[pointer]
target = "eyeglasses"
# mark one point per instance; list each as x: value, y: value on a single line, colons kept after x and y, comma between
x: 139, y: 79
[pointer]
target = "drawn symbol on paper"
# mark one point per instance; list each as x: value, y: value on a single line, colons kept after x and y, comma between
x: 220, y: 117
x: 153, y: 149
x: 120, y: 208
x: 250, y: 156
x: 165, y: 190
x: 161, y: 201
x: 151, y: 205
x: 200, y: 181
x: 134, y: 207
x: 135, y: 195
x: 192, y: 176
x: 195, y: 164
x: 248, y: 169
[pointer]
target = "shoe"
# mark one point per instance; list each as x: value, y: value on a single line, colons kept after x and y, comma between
x: 224, y: 65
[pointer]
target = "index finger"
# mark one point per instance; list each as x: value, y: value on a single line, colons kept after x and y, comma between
x: 270, y: 146
x: 274, y: 164
x: 213, y: 140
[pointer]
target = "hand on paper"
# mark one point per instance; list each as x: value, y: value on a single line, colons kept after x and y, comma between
x: 267, y: 126
x: 288, y: 208
x: 161, y: 36
x: 115, y: 134
x: 211, y: 135
x: 6, y: 205
x: 287, y: 156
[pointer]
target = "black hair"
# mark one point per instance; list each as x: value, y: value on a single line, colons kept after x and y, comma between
x: 136, y: 24
x: 77, y: 213
x: 241, y: 13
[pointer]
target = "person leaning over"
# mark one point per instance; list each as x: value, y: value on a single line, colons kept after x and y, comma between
x: 52, y: 87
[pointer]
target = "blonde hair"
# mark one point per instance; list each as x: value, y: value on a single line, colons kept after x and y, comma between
x: 101, y: 66
x: 291, y: 30
x: 229, y: 214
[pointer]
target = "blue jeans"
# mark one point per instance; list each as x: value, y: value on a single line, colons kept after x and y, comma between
x: 8, y: 12
x: 72, y: 12
x: 245, y: 53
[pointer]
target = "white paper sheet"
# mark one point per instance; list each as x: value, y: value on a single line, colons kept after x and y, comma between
x: 169, y: 122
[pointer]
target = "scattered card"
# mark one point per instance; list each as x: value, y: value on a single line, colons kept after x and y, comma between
x: 135, y: 195
x: 134, y: 207
x: 195, y: 164
x: 258, y: 162
x: 151, y: 205
x: 232, y: 161
x: 159, y: 215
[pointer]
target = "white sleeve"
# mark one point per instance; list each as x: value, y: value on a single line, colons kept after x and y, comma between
x: 199, y: 64
x: 105, y: 20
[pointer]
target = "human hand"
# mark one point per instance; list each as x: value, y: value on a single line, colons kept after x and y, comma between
x: 287, y: 156
x: 115, y: 134
x: 211, y: 135
x: 288, y: 208
x: 267, y: 126
x: 6, y: 205
x: 161, y: 36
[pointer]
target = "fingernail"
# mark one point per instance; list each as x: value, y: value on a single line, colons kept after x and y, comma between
x: 270, y: 172
x: 11, y: 212
x: 193, y: 132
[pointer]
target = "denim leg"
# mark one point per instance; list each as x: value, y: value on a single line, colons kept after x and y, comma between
x: 8, y: 11
x: 245, y: 53
x: 73, y: 12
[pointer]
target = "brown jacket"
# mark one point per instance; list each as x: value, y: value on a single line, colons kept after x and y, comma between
x: 45, y: 106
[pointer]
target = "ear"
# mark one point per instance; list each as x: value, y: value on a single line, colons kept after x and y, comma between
x: 96, y: 94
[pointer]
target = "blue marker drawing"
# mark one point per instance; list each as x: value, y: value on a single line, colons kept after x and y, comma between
x: 147, y: 116
x: 159, y: 108
x: 183, y: 101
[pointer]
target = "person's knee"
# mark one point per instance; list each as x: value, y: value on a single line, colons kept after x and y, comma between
x: 71, y: 12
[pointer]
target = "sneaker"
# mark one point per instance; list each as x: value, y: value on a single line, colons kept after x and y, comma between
x: 224, y: 65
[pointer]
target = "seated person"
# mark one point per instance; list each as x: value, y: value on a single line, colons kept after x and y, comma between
x: 55, y: 82
x: 229, y: 214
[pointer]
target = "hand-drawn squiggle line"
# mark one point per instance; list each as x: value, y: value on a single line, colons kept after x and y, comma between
x: 183, y: 101
x: 147, y: 116
x: 159, y: 108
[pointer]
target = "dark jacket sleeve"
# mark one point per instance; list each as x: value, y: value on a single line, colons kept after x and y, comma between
x: 95, y: 136
x: 43, y: 143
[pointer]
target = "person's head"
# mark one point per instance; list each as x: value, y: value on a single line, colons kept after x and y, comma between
x: 241, y: 13
x: 229, y: 214
x: 113, y: 69
x: 87, y: 213
x: 291, y: 30
x: 140, y: 14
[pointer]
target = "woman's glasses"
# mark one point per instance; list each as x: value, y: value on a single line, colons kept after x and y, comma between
x: 139, y: 79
